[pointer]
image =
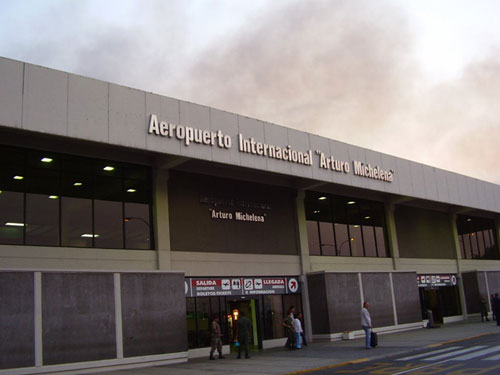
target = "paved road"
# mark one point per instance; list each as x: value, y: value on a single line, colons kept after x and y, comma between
x: 470, y: 357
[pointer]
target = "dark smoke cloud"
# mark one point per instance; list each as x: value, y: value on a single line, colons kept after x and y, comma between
x: 346, y: 70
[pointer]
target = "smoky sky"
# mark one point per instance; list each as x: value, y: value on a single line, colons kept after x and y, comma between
x: 342, y: 69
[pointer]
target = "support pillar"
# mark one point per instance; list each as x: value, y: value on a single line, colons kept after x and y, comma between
x: 458, y: 256
x: 305, y: 262
x: 391, y: 233
x: 161, y: 219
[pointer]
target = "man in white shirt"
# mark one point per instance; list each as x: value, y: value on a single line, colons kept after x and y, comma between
x: 366, y: 323
x: 297, y: 325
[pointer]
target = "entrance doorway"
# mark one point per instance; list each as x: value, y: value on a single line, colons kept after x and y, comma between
x: 250, y: 308
x: 443, y: 301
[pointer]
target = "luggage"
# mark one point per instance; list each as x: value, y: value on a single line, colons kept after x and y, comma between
x: 373, y: 339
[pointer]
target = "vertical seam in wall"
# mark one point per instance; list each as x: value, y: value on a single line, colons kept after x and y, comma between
x: 394, y: 310
x: 108, y: 125
x: 38, y: 319
x: 118, y: 316
x: 361, y: 292
x: 22, y: 96
x: 67, y: 104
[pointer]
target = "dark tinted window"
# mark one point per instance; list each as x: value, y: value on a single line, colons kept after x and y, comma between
x: 11, y: 218
x: 42, y: 219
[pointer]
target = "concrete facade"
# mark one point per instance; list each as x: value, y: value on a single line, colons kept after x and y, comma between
x: 49, y: 110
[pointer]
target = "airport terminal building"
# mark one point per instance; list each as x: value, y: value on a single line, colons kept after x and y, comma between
x: 128, y: 220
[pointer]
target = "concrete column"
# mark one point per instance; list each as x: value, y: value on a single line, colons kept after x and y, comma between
x: 391, y: 233
x: 458, y: 256
x: 305, y: 263
x: 161, y: 219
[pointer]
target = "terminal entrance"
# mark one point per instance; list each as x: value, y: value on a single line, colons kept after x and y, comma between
x: 439, y: 294
x: 248, y: 307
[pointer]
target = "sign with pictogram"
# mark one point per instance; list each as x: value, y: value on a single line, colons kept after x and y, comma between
x: 206, y: 287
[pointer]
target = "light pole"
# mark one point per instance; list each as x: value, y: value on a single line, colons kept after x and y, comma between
x: 127, y: 219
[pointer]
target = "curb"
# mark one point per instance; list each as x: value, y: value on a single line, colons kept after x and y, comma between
x: 329, y: 366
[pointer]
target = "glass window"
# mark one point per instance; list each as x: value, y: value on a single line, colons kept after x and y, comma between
x: 72, y: 184
x: 108, y: 224
x: 42, y: 219
x: 480, y: 243
x: 204, y: 318
x: 342, y: 237
x: 467, y: 246
x: 273, y: 316
x: 137, y: 226
x: 356, y: 240
x: 369, y: 241
x: 475, y: 248
x: 11, y: 218
x: 461, y: 243
x: 313, y: 237
x: 381, y: 244
x: 191, y: 322
x: 327, y: 239
x: 76, y: 222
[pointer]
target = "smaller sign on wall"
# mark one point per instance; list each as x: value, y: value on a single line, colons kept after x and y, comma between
x: 436, y: 280
x: 240, y: 286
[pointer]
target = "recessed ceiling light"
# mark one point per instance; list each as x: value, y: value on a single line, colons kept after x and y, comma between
x: 356, y: 226
x: 47, y: 160
x: 11, y: 224
x: 469, y: 219
x: 351, y: 202
x: 109, y: 168
x: 53, y: 196
x: 18, y: 177
x: 89, y: 235
x: 1, y: 192
x: 78, y: 184
x: 367, y: 217
x: 131, y: 191
x: 316, y: 211
x: 322, y: 198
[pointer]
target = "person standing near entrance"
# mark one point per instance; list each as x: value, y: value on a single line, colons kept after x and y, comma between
x: 483, y: 307
x: 297, y: 325
x: 290, y: 330
x: 366, y: 323
x: 216, y: 339
x: 244, y: 326
x: 496, y: 308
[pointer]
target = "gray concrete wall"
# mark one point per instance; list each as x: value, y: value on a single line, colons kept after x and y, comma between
x: 336, y: 299
x: 406, y: 297
x: 17, y: 320
x: 472, y: 291
x: 377, y: 291
x: 53, y: 102
x: 78, y: 311
x: 344, y: 301
x: 154, y: 314
x: 66, y: 318
x: 423, y: 234
x: 193, y: 228
x: 320, y: 316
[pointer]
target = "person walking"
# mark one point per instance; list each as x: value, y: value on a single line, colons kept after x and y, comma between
x: 483, y: 308
x: 290, y: 330
x: 366, y: 323
x: 297, y: 326
x: 496, y: 308
x: 244, y: 326
x: 303, y: 341
x: 493, y: 316
x: 216, y: 338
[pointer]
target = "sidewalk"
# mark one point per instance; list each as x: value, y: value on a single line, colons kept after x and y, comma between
x: 279, y: 361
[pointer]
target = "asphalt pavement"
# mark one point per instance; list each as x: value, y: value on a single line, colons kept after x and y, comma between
x: 328, y: 355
